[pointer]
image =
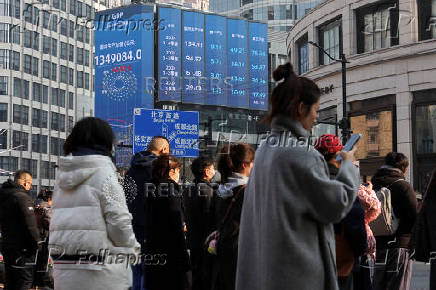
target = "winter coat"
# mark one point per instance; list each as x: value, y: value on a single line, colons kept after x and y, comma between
x: 286, y: 238
x: 17, y: 219
x: 136, y: 177
x: 224, y: 264
x: 404, y: 204
x: 351, y: 232
x: 197, y: 201
x: 423, y: 240
x: 167, y: 259
x: 90, y: 217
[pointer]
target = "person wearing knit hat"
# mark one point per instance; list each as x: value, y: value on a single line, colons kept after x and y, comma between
x: 350, y: 233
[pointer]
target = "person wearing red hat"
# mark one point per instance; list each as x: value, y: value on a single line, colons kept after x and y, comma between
x: 350, y: 233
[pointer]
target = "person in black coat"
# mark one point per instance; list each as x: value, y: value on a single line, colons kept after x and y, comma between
x: 20, y: 234
x: 350, y: 232
x: 136, y: 177
x: 166, y: 255
x: 396, y: 273
x: 197, y: 199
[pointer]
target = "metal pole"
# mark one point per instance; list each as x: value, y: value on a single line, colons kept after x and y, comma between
x: 345, y: 129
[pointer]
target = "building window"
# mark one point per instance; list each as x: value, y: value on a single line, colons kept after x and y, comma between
x: 45, y: 19
x: 86, y: 57
x: 70, y: 100
x: 36, y: 92
x: 61, y: 122
x: 80, y: 79
x: 64, y: 30
x: 21, y: 114
x: 79, y: 9
x: 27, y: 64
x: 71, y: 76
x: 35, y: 19
x: 427, y: 19
x: 9, y: 163
x: 16, y: 11
x: 80, y: 29
x: 54, y: 47
x: 63, y: 50
x: 27, y: 41
x: 330, y: 39
x: 71, y: 29
x: 63, y: 74
x: 54, y: 23
x: 39, y: 143
x: 35, y: 40
x: 378, y: 26
x: 15, y: 60
x: 36, y: 117
x: 86, y: 31
x: 4, y: 33
x: 79, y: 55
x: 54, y: 146
x: 44, y: 94
x: 64, y: 5
x: 3, y: 139
x: 54, y: 97
x: 4, y: 59
x: 46, y: 44
x: 73, y: 7
x: 3, y: 85
x: 303, y: 55
x: 27, y: 12
x: 35, y: 66
x: 71, y: 52
x: 15, y: 34
x: 46, y: 69
x: 62, y: 98
x: 88, y: 12
x: 3, y: 112
x: 20, y: 139
x: 54, y: 72
x: 86, y: 81
x: 44, y: 170
x: 70, y: 124
x: 21, y: 88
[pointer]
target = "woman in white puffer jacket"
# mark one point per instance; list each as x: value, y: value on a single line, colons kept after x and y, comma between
x: 91, y: 236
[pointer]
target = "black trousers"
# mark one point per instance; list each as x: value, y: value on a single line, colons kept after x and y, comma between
x: 19, y: 269
x: 433, y: 274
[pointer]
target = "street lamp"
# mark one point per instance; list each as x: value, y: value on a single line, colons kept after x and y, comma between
x: 344, y: 124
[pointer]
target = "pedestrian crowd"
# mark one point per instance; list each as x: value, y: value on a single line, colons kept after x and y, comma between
x: 287, y: 216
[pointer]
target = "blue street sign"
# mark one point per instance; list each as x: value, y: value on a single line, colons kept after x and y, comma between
x: 179, y: 127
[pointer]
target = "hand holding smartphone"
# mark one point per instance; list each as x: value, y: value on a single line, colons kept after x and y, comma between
x: 350, y: 145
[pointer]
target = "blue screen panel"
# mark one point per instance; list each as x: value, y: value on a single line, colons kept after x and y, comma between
x: 216, y: 60
x: 193, y: 57
x: 237, y: 87
x: 170, y: 61
x: 123, y: 69
x: 258, y: 71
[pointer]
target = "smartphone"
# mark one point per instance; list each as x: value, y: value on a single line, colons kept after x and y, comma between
x: 350, y: 144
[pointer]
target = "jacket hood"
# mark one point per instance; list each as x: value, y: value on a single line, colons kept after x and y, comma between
x: 75, y: 170
x: 226, y: 190
x: 143, y: 159
x: 385, y: 175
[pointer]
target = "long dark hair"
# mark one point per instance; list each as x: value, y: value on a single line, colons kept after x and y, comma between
x: 232, y: 158
x: 89, y: 132
x: 289, y: 93
x: 160, y: 168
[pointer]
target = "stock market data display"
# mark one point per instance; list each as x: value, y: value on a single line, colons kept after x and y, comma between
x: 237, y: 66
x: 258, y: 66
x: 193, y: 57
x: 170, y: 60
x: 216, y: 60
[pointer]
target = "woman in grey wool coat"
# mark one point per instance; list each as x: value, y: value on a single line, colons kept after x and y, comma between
x: 286, y: 238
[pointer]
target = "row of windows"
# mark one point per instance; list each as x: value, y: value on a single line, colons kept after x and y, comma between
x: 47, y: 169
x: 20, y: 141
x: 39, y: 118
x: 40, y: 92
x: 377, y: 28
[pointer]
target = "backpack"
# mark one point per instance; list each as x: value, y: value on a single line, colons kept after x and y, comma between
x: 386, y: 223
